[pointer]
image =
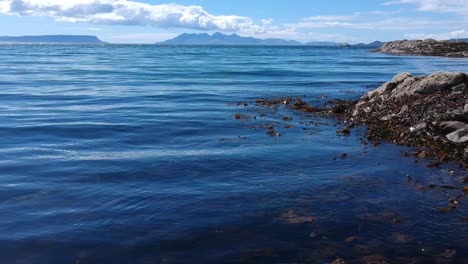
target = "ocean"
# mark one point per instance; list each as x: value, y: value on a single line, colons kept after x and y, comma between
x: 134, y: 154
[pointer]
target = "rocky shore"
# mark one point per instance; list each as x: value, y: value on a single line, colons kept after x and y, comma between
x: 429, y: 113
x: 427, y: 47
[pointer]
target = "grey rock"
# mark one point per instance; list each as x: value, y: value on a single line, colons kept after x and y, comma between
x: 389, y: 86
x: 399, y: 78
x: 458, y: 115
x: 427, y: 47
x: 418, y: 127
x: 438, y: 81
x: 405, y: 84
x: 460, y: 88
x: 436, y: 106
x: 459, y: 136
x: 403, y: 110
x: 451, y: 126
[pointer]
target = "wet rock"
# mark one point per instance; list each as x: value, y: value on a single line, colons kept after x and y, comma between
x: 401, y: 238
x: 375, y: 259
x: 418, y: 127
x: 448, y: 253
x: 352, y: 239
x: 292, y: 218
x: 451, y: 126
x: 339, y: 261
x: 444, y: 210
x: 345, y: 131
x: 273, y: 133
x: 459, y: 136
x: 460, y: 88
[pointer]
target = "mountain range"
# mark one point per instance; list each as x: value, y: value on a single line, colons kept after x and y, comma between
x: 221, y: 39
x: 234, y: 39
x: 82, y: 39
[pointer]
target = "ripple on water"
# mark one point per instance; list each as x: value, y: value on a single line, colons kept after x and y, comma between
x: 130, y: 153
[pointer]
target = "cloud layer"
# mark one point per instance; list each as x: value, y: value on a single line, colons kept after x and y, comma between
x: 124, y: 12
x: 450, y: 6
x: 457, y: 34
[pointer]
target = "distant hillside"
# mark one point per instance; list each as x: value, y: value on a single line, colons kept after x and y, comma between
x: 372, y: 45
x: 221, y: 39
x: 52, y: 39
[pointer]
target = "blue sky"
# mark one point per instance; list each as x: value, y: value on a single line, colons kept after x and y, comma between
x: 148, y: 21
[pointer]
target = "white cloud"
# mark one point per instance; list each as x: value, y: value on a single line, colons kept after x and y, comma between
x: 125, y: 12
x: 451, y: 6
x: 444, y: 36
x: 382, y: 24
x: 328, y: 18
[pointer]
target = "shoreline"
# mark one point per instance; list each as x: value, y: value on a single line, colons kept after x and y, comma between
x: 428, y: 113
x: 428, y: 47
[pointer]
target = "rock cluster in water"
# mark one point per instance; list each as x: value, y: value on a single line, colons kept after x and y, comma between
x: 427, y: 47
x: 426, y: 112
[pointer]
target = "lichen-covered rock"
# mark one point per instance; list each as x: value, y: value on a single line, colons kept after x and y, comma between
x: 428, y: 47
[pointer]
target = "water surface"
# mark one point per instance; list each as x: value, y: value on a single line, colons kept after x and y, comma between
x: 131, y: 153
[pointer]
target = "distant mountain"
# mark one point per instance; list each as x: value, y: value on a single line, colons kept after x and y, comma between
x: 52, y: 39
x: 221, y: 39
x: 322, y: 44
x: 372, y: 45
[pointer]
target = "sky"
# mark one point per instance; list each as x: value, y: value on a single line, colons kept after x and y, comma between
x: 149, y: 21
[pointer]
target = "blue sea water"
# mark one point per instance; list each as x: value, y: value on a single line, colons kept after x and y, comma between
x: 132, y: 154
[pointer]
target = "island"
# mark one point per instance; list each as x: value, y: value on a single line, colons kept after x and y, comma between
x: 224, y: 40
x: 428, y: 47
x: 70, y: 39
x: 374, y: 45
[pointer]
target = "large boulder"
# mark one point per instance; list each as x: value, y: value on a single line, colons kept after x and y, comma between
x: 406, y: 84
x: 438, y: 82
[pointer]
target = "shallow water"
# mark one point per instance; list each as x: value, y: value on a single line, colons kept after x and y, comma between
x: 123, y: 154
